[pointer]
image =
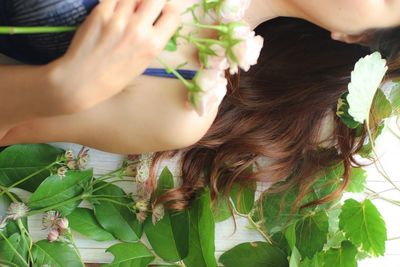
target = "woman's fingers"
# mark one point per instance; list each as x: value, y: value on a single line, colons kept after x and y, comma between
x: 149, y: 10
x: 124, y: 9
x: 168, y: 23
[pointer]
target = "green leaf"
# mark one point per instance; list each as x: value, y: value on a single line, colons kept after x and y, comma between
x: 311, y: 233
x: 363, y: 225
x: 316, y: 261
x: 277, y: 209
x: 56, y: 189
x: 295, y: 258
x: 254, y: 254
x: 170, y: 236
x: 165, y: 182
x: 7, y: 250
x: 243, y: 198
x: 201, y: 233
x: 84, y: 222
x: 357, y: 180
x: 130, y: 255
x: 345, y: 256
x: 220, y: 210
x: 366, y: 150
x: 329, y: 182
x: 395, y: 98
x: 366, y: 77
x: 381, y: 107
x: 114, y: 218
x: 20, y: 161
x: 343, y: 112
x: 55, y: 254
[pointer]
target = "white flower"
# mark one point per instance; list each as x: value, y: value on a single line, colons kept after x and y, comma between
x: 218, y: 61
x: 62, y: 171
x: 233, y: 10
x: 69, y: 155
x: 212, y: 84
x: 17, y: 210
x: 247, y: 51
x: 366, y: 78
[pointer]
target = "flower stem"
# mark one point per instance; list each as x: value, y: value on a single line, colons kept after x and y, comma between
x: 177, y: 74
x: 36, y: 30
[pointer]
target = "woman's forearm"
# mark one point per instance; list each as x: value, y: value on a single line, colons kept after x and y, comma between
x: 26, y: 92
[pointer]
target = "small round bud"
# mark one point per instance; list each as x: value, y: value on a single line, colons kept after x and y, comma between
x: 69, y: 155
x: 53, y: 235
x: 63, y: 223
x: 62, y: 171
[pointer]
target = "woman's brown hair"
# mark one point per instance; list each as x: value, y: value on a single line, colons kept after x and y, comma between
x: 275, y: 111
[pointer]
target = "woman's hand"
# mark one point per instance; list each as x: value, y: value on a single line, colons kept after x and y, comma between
x: 116, y: 43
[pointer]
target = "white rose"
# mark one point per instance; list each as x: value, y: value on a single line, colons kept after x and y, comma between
x: 247, y: 51
x: 213, y: 84
x: 233, y: 10
x: 218, y: 61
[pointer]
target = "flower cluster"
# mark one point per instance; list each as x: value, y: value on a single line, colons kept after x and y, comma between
x: 16, y: 211
x: 70, y: 162
x: 235, y: 47
x: 59, y: 226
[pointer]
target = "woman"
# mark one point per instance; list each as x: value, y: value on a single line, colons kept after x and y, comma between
x: 144, y: 116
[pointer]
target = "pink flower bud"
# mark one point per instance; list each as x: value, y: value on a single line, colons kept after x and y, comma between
x: 53, y: 235
x: 141, y: 216
x: 62, y: 171
x: 219, y: 60
x: 63, y: 223
x: 212, y: 84
x: 157, y: 213
x: 69, y: 155
x: 71, y: 164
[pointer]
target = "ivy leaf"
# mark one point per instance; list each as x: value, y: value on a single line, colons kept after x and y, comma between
x: 363, y: 225
x: 201, y: 233
x: 56, y: 189
x: 55, y: 254
x: 254, y: 254
x: 311, y: 233
x: 130, y: 255
x: 357, y: 180
x: 169, y: 237
x: 366, y: 77
x: 243, y: 198
x: 343, y: 112
x: 345, y: 256
x: 84, y: 222
x: 277, y: 209
x: 116, y: 219
x: 165, y: 182
x: 7, y: 252
x: 316, y: 261
x: 20, y: 161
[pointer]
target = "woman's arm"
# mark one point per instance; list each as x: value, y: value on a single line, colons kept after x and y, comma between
x: 113, y: 46
x: 150, y: 115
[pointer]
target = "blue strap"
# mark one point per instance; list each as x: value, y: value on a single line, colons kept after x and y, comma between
x: 187, y: 74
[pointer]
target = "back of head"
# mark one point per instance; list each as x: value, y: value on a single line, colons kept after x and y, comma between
x: 276, y: 111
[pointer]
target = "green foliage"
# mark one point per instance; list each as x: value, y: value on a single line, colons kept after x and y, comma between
x: 381, y: 107
x: 117, y: 219
x: 254, y: 254
x: 343, y: 112
x: 14, y: 250
x: 55, y: 254
x: 201, y: 233
x: 130, y: 255
x: 357, y: 180
x: 364, y: 226
x: 311, y: 233
x: 169, y: 237
x: 243, y: 198
x: 55, y: 190
x: 19, y: 161
x: 395, y: 99
x: 84, y: 222
x: 345, y: 256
